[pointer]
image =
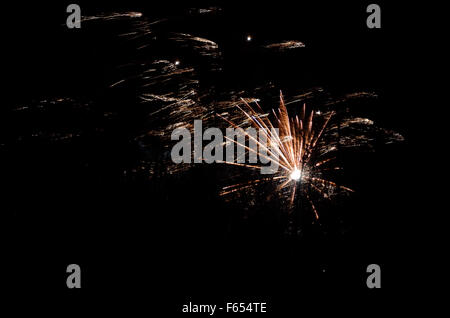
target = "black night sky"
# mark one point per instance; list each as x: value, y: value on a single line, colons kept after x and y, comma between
x: 75, y: 167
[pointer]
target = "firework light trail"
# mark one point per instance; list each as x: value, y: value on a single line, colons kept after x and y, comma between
x: 112, y: 16
x: 286, y: 45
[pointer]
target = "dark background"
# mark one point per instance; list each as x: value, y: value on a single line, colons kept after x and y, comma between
x: 143, y: 247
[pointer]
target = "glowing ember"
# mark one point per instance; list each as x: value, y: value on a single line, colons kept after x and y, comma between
x: 295, y: 175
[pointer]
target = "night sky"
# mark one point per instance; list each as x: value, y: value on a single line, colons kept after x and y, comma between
x: 85, y: 163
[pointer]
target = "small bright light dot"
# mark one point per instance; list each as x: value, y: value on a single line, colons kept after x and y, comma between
x: 177, y: 62
x: 318, y: 112
x: 295, y: 175
x: 249, y: 38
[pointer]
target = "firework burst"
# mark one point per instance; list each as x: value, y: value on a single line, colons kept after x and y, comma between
x: 172, y: 80
x: 296, y: 146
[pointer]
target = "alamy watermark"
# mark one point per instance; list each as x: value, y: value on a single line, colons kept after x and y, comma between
x: 374, y: 19
x: 74, y: 279
x: 249, y: 146
x: 74, y: 18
